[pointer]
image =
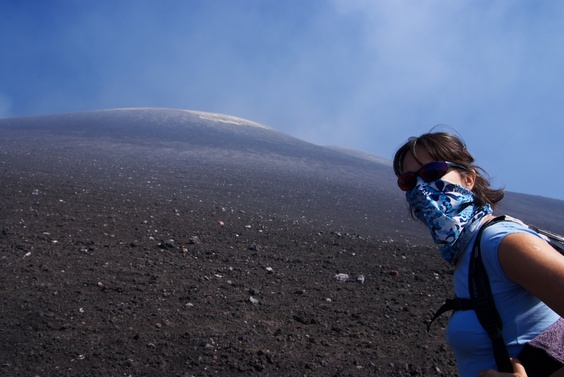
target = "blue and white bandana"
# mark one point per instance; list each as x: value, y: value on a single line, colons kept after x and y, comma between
x: 449, y: 212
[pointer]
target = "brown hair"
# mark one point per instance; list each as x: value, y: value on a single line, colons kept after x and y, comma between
x: 448, y: 147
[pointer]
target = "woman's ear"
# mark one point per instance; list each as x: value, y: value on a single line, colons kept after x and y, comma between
x: 469, y: 179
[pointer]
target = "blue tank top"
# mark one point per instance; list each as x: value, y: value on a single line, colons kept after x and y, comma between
x: 524, y: 316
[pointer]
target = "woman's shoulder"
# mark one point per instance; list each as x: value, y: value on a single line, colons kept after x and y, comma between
x: 500, y: 228
x: 494, y: 234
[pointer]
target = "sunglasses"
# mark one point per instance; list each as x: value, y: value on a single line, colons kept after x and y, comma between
x: 429, y: 173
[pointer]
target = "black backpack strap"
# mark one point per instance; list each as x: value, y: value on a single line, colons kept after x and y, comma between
x: 452, y: 304
x: 484, y: 305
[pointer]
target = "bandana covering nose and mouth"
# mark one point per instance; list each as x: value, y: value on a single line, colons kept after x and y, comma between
x: 447, y: 209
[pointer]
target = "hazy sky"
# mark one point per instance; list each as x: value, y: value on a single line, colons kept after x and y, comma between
x: 365, y: 74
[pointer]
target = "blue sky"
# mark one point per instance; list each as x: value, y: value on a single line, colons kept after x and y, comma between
x: 366, y: 74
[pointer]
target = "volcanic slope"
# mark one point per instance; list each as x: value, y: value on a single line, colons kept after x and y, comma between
x: 220, y: 155
x: 168, y: 242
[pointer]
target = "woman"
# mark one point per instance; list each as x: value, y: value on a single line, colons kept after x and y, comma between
x: 448, y: 193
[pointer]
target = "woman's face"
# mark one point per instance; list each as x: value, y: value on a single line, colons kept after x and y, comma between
x: 410, y: 164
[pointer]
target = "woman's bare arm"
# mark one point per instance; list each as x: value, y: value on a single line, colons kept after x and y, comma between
x: 535, y: 265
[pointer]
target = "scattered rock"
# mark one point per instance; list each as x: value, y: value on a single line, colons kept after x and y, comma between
x: 169, y: 244
x: 253, y: 292
x: 342, y: 277
x: 254, y: 247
